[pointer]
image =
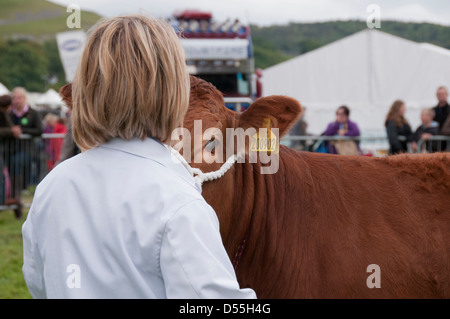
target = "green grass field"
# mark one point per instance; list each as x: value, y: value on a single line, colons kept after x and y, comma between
x: 37, y: 18
x: 12, y: 284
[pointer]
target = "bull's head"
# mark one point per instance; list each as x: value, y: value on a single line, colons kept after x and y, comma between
x: 215, y: 133
x: 224, y: 133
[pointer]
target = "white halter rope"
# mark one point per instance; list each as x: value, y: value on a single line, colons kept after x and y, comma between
x: 198, y: 175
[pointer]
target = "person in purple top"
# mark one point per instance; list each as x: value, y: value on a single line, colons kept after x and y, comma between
x: 342, y: 126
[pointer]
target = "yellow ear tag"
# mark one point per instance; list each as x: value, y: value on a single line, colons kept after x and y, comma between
x: 265, y: 140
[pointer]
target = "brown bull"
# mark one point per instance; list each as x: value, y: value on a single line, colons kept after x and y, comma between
x: 327, y: 226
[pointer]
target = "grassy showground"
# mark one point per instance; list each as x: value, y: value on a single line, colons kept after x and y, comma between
x: 12, y: 284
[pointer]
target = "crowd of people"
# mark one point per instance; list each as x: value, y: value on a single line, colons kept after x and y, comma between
x: 20, y: 163
x: 434, y: 121
x: 17, y: 118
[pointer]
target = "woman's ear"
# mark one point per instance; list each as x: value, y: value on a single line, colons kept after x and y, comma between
x: 281, y: 111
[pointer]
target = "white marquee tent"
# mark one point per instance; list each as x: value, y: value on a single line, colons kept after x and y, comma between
x: 366, y: 71
x: 3, y: 89
x: 50, y: 99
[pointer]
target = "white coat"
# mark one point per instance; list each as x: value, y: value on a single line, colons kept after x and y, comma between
x: 124, y: 220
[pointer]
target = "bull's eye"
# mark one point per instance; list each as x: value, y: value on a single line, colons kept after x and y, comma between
x: 210, y: 146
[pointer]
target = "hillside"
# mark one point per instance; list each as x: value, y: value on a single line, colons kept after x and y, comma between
x: 276, y: 43
x: 29, y: 54
x: 37, y: 20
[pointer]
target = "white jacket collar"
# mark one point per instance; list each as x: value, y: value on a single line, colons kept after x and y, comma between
x: 155, y: 151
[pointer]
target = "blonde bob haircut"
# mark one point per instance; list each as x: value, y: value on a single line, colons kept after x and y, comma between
x: 131, y: 82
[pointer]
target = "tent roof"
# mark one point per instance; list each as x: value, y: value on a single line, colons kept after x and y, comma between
x: 51, y: 97
x: 3, y: 89
x: 366, y: 71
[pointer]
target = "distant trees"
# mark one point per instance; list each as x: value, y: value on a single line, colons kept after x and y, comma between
x: 37, y: 65
x: 277, y: 43
x: 33, y: 65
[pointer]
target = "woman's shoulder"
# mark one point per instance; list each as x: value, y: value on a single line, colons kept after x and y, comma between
x: 352, y: 123
x: 143, y: 180
x: 389, y: 123
x: 333, y: 124
x: 331, y: 128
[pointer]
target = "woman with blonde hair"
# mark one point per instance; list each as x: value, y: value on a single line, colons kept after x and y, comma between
x: 398, y: 129
x: 122, y: 219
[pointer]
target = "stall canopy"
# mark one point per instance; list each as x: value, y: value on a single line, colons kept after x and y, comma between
x: 3, y: 89
x: 50, y: 100
x: 366, y: 71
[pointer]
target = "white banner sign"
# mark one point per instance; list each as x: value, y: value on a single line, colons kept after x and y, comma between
x: 70, y: 45
x: 210, y: 49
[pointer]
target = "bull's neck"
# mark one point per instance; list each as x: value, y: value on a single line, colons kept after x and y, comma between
x: 268, y: 220
x: 243, y: 207
x: 251, y: 196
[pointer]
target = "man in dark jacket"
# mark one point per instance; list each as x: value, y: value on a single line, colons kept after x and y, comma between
x: 22, y: 114
x: 424, y: 131
x: 23, y: 154
x: 442, y: 110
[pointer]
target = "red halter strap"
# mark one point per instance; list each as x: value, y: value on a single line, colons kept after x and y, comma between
x: 238, y: 255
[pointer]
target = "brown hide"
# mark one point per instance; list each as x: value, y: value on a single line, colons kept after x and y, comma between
x: 312, y: 229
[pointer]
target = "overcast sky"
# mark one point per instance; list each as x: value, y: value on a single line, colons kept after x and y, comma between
x: 267, y: 12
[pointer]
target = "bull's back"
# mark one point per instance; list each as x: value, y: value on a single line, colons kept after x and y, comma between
x: 356, y: 212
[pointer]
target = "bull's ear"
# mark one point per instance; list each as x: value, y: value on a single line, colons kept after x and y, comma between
x: 66, y: 94
x: 282, y: 111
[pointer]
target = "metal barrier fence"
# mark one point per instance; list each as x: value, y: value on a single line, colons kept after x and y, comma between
x: 369, y: 145
x: 238, y: 104
x: 24, y: 162
x: 434, y: 143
